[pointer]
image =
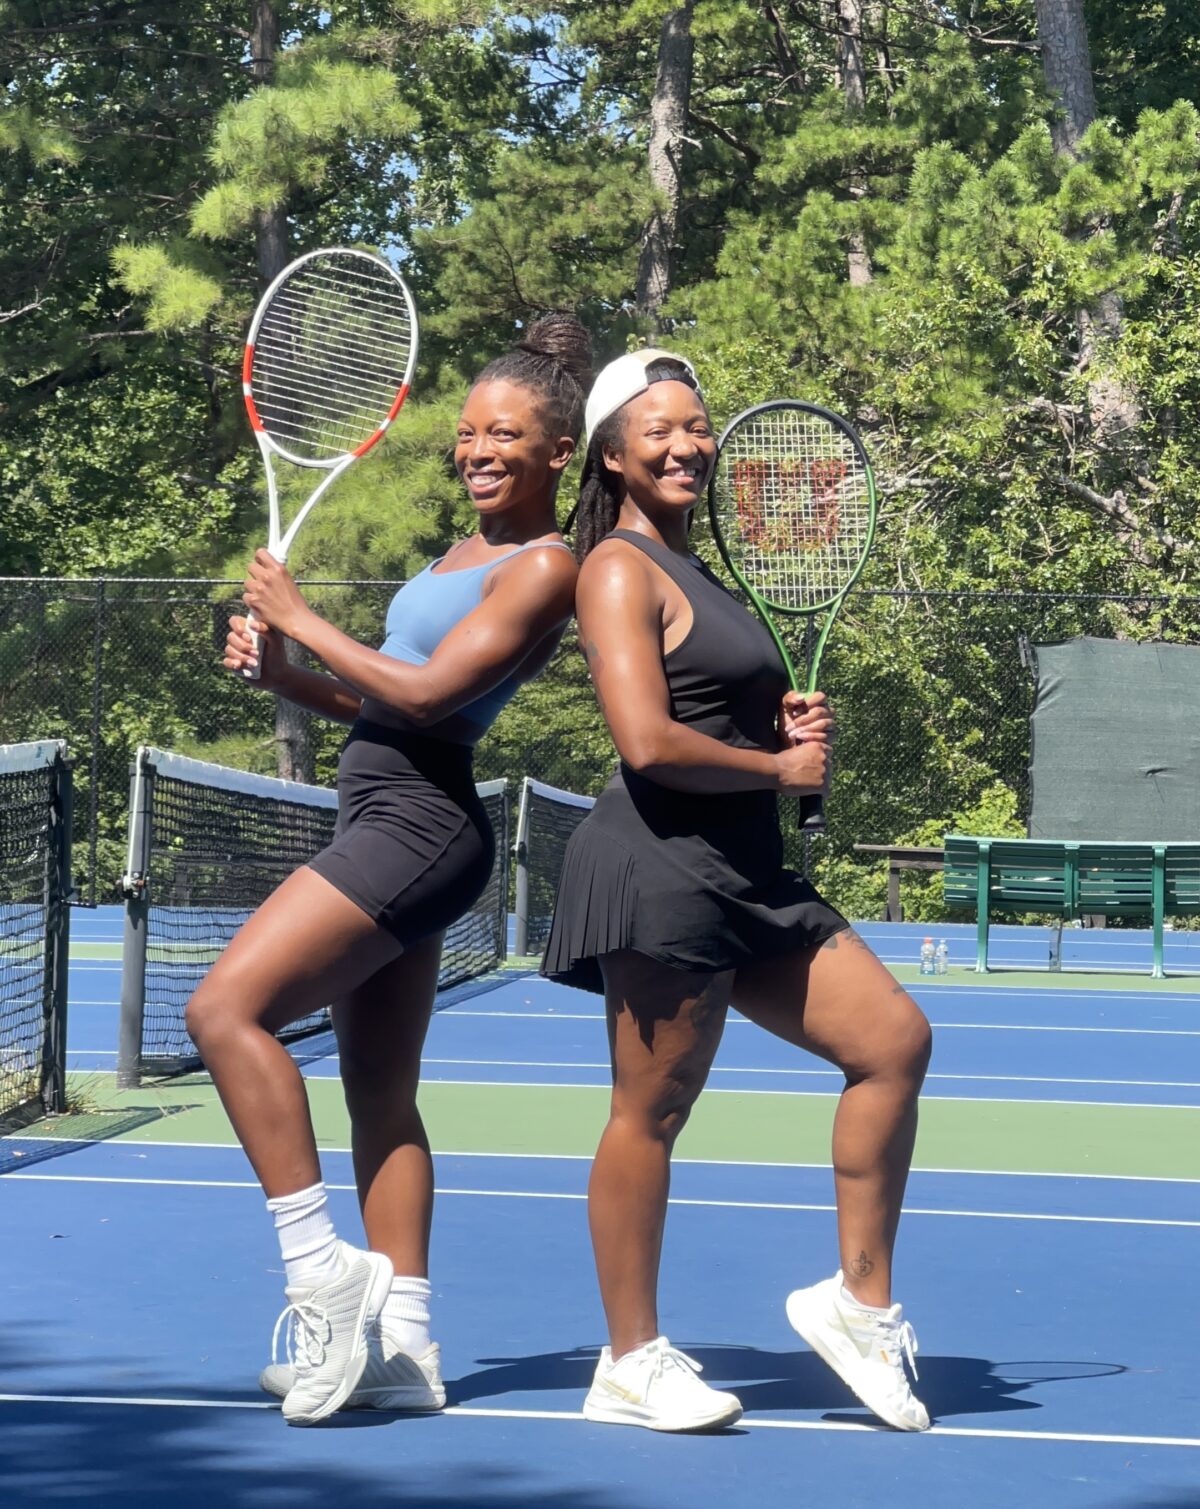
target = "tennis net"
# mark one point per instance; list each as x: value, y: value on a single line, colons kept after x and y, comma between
x: 546, y: 819
x: 207, y: 845
x: 35, y: 883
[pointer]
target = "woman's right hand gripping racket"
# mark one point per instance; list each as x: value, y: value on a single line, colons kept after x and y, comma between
x: 792, y: 503
x: 329, y: 360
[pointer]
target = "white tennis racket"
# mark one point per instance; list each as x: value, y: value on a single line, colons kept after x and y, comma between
x: 329, y: 360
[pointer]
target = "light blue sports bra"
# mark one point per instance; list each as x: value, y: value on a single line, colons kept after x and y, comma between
x: 424, y: 611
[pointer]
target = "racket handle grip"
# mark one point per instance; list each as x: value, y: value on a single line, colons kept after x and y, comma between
x: 253, y: 672
x: 812, y: 814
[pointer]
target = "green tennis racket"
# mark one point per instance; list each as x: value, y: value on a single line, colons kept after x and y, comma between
x: 792, y: 503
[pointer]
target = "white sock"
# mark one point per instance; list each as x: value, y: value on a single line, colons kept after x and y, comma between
x: 880, y: 1310
x: 307, y: 1239
x: 405, y: 1315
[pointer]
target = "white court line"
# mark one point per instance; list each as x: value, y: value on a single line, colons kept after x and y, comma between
x: 536, y: 1194
x: 740, y: 1021
x: 1019, y: 1027
x: 989, y: 1079
x: 1012, y: 1100
x: 1108, y: 1105
x: 969, y: 1173
x: 986, y: 1079
x: 473, y: 1412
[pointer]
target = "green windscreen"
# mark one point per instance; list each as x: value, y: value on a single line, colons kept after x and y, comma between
x: 1115, y: 741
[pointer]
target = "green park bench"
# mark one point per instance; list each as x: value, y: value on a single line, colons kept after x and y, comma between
x: 1072, y: 879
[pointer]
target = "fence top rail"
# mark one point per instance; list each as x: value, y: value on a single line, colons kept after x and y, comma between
x: 915, y: 594
x: 186, y: 581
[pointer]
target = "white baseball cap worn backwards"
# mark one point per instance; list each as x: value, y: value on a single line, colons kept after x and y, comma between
x: 622, y: 380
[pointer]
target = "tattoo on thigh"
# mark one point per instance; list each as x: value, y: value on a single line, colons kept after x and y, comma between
x: 709, y: 1004
x: 861, y: 1266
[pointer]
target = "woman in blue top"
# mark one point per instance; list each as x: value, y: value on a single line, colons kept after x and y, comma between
x: 362, y: 924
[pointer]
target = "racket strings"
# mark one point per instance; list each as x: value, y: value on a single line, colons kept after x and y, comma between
x: 330, y: 356
x: 794, y: 507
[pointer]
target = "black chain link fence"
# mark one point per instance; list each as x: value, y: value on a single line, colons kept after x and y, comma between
x: 930, y: 689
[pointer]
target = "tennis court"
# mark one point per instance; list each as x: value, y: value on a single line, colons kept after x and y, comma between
x: 1051, y: 1230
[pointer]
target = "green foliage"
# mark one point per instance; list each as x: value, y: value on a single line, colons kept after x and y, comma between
x: 44, y: 142
x: 282, y: 137
x: 553, y: 232
x: 178, y: 295
x: 500, y: 156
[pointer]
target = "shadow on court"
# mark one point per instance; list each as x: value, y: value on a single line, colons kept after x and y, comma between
x: 223, y: 1455
x: 59, y: 1136
x: 949, y: 1386
x: 146, y: 1458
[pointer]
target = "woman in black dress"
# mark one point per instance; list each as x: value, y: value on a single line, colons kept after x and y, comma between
x: 675, y: 903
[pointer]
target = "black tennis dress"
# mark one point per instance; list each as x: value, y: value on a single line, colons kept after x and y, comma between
x: 696, y: 882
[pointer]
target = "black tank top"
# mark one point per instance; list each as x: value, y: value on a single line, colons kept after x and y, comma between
x: 725, y: 677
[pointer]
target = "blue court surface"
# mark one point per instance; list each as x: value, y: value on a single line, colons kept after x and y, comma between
x: 1046, y: 1260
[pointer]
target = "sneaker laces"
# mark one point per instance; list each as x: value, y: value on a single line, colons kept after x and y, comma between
x: 306, y: 1331
x: 899, y: 1337
x: 672, y: 1357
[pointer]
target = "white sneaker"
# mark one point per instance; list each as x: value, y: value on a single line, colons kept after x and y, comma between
x: 866, y: 1351
x: 326, y: 1334
x: 656, y: 1386
x: 391, y: 1379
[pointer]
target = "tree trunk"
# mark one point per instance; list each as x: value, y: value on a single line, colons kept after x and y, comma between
x: 1066, y: 61
x: 271, y: 226
x: 295, y: 757
x: 1067, y: 64
x: 668, y: 125
x: 853, y: 77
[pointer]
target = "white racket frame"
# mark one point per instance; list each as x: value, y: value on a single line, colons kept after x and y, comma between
x: 279, y: 542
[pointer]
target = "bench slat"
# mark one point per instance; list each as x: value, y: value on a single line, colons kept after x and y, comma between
x: 1069, y: 879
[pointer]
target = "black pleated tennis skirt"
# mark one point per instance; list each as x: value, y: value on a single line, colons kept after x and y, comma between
x: 697, y: 883
x: 413, y: 846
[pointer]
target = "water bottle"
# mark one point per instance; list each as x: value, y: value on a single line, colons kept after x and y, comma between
x: 927, y: 957
x: 941, y: 959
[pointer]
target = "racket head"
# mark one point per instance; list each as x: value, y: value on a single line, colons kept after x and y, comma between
x: 330, y: 356
x: 792, y: 504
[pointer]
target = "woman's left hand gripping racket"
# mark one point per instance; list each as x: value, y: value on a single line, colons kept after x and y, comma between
x: 329, y: 360
x: 792, y: 503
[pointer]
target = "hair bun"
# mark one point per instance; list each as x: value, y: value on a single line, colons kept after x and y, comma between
x: 564, y: 340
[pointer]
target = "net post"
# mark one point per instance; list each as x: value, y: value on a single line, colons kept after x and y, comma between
x: 58, y: 937
x: 135, y: 886
x: 520, y: 852
x: 99, y: 639
x: 504, y: 858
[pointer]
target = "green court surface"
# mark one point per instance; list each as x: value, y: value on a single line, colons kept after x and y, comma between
x: 971, y: 1135
x: 1044, y: 979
